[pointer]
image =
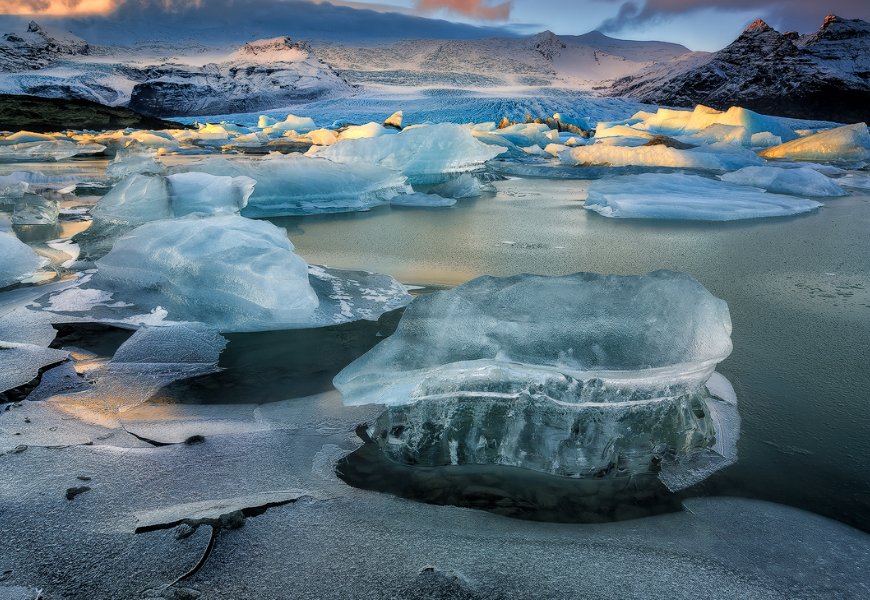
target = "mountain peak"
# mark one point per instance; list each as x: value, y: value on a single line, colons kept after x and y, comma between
x: 830, y: 20
x: 758, y: 25
x: 34, y: 27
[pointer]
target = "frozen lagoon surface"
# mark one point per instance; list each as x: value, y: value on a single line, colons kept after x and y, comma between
x: 264, y: 434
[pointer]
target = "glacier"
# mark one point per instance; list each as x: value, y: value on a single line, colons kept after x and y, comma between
x: 607, y: 380
x: 688, y: 197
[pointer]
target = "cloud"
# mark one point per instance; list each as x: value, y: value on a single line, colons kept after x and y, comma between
x: 476, y: 9
x: 800, y: 15
x: 57, y: 7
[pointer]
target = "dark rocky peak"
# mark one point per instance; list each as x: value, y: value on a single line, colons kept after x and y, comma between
x: 836, y: 28
x: 548, y: 44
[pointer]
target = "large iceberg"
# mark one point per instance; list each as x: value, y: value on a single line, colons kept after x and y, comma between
x: 713, y: 157
x: 424, y: 154
x: 687, y: 197
x: 229, y: 272
x: 582, y: 375
x: 801, y: 181
x: 850, y: 142
x: 18, y: 262
x: 296, y: 185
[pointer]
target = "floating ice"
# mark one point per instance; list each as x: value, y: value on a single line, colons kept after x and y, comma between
x: 850, y: 142
x: 687, y: 197
x: 142, y: 198
x: 579, y: 375
x: 658, y: 156
x: 734, y: 125
x: 423, y: 154
x: 295, y: 184
x: 134, y: 163
x: 43, y: 151
x: 229, y: 272
x: 369, y: 130
x: 34, y: 209
x: 465, y: 185
x: 420, y: 199
x: 291, y: 123
x: 801, y: 181
x: 18, y: 262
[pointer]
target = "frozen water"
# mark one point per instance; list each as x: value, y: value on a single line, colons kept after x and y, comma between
x: 291, y: 123
x: 203, y: 194
x: 353, y: 295
x: 295, y: 184
x: 34, y: 209
x: 801, y: 181
x: 734, y: 125
x: 227, y: 271
x: 687, y: 197
x: 850, y: 142
x: 369, y: 130
x: 465, y: 185
x: 421, y: 199
x: 45, y: 151
x: 423, y: 154
x: 657, y: 156
x: 135, y: 200
x: 19, y: 260
x: 549, y: 373
x: 128, y: 163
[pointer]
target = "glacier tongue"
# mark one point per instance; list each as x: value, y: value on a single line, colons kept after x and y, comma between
x: 581, y: 375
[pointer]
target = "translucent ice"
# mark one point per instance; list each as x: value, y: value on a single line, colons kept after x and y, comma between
x: 656, y: 156
x: 851, y: 142
x: 18, y: 262
x: 801, y: 181
x: 34, y: 209
x: 420, y: 199
x: 229, y: 272
x: 423, y: 154
x: 687, y: 197
x: 579, y: 375
x: 705, y: 122
x: 295, y: 184
x: 133, y: 163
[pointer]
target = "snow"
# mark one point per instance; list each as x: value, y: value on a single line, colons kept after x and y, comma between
x: 801, y: 181
x: 687, y: 197
x: 850, y: 142
x: 502, y: 370
x: 294, y: 184
x: 423, y: 154
x: 19, y: 260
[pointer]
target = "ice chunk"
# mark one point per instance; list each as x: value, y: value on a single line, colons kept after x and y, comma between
x: 394, y: 120
x: 291, y: 123
x: 187, y: 343
x: 18, y: 262
x: 295, y: 184
x: 322, y: 137
x: 369, y: 130
x: 230, y: 272
x: 420, y: 199
x: 34, y: 209
x: 21, y: 363
x: 581, y: 375
x: 423, y: 154
x: 654, y: 156
x: 465, y: 185
x: 45, y: 151
x: 142, y: 198
x: 801, y: 181
x: 353, y: 295
x: 204, y: 194
x: 683, y: 122
x: 687, y: 197
x: 850, y: 142
x: 855, y: 180
x: 134, y: 163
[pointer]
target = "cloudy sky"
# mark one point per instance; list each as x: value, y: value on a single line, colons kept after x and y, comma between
x: 699, y: 24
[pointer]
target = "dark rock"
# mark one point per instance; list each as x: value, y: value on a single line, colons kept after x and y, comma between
x: 75, y: 491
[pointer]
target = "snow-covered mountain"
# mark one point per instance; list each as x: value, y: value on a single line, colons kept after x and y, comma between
x: 36, y: 47
x: 822, y: 75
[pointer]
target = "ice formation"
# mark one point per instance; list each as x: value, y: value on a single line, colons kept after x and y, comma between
x: 687, y: 197
x: 801, y: 181
x: 425, y: 155
x: 581, y: 375
x: 12, y: 149
x: 134, y: 163
x: 296, y: 184
x: 229, y: 272
x: 34, y: 209
x: 733, y: 125
x: 850, y: 142
x: 19, y: 260
x: 708, y: 158
x: 421, y: 199
x: 142, y: 198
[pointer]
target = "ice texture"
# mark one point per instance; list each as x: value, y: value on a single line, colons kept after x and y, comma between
x: 580, y: 375
x: 687, y: 197
x: 227, y: 271
x: 421, y: 199
x: 128, y: 163
x: 736, y: 124
x: 850, y: 142
x: 18, y: 262
x: 35, y: 209
x: 708, y: 158
x: 141, y: 198
x: 45, y: 150
x: 424, y: 154
x: 296, y: 185
x: 801, y: 181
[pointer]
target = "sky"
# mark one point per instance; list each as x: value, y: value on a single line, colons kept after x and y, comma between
x: 698, y: 24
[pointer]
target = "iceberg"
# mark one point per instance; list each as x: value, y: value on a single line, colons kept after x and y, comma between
x: 34, y: 209
x: 128, y: 163
x: 850, y: 142
x: 424, y: 154
x: 228, y: 272
x: 687, y: 197
x: 298, y: 185
x: 734, y: 125
x: 659, y: 155
x: 45, y: 151
x: 19, y: 260
x: 801, y: 181
x: 581, y: 375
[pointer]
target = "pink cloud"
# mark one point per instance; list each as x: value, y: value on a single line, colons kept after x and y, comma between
x: 476, y: 9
